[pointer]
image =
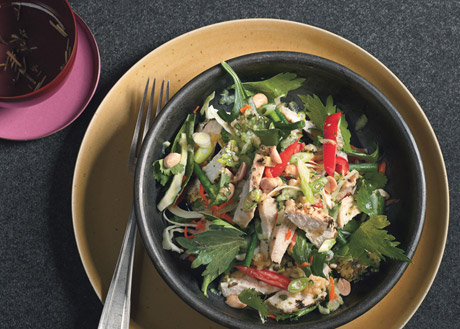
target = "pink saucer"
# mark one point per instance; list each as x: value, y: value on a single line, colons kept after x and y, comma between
x: 67, y: 104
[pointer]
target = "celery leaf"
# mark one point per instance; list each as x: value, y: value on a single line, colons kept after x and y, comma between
x: 371, y: 237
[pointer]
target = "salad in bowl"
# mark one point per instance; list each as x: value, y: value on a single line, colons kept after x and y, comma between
x: 264, y: 193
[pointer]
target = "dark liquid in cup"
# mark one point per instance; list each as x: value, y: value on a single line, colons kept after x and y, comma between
x: 34, y: 47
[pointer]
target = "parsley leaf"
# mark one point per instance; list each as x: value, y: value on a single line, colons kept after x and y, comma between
x: 177, y: 169
x: 276, y: 86
x: 216, y: 248
x: 316, y: 110
x: 368, y: 199
x: 375, y: 179
x: 224, y: 191
x: 371, y: 237
x: 224, y: 180
x: 162, y: 174
x: 251, y: 298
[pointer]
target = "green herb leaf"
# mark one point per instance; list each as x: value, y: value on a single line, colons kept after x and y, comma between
x: 224, y: 180
x: 177, y: 169
x: 290, y: 126
x: 361, y: 123
x: 302, y: 252
x: 279, y: 85
x: 216, y: 248
x: 252, y: 299
x: 366, y: 200
x: 268, y: 137
x: 371, y: 237
x: 364, y: 156
x: 375, y: 180
x: 346, y: 135
x: 240, y: 96
x: 316, y: 110
x: 295, y: 315
x: 302, y: 248
x: 160, y: 173
x: 351, y: 226
x: 317, y: 266
x: 223, y: 190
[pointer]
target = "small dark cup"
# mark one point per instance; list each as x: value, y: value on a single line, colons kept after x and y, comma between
x: 38, y: 47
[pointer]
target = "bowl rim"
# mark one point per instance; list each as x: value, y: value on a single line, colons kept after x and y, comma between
x: 161, y: 264
x: 60, y: 76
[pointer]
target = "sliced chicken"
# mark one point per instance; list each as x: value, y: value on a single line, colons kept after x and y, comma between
x: 268, y: 211
x: 288, y: 302
x: 241, y: 216
x: 348, y: 187
x: 327, y: 199
x: 317, y: 225
x: 214, y: 167
x: 348, y: 210
x: 239, y: 282
x: 281, y: 237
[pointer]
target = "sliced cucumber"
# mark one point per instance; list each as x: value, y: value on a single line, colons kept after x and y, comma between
x: 176, y: 182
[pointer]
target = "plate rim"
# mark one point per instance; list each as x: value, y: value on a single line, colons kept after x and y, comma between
x: 435, y: 144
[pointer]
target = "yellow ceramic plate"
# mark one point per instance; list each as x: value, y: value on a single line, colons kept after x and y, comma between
x: 102, y: 189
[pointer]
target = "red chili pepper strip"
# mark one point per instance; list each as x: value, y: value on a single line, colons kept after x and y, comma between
x: 318, y: 204
x: 227, y: 217
x: 341, y: 165
x: 285, y: 156
x: 267, y: 276
x: 200, y: 225
x: 186, y: 234
x: 331, y: 125
x: 382, y: 167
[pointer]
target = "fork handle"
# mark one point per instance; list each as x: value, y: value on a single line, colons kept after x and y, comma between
x: 116, y: 311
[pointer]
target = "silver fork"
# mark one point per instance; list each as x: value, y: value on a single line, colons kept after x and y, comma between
x: 117, y: 306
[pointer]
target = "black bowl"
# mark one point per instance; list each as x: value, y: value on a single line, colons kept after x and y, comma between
x: 352, y: 94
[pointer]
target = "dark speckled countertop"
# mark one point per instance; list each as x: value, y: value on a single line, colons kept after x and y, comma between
x: 42, y: 281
